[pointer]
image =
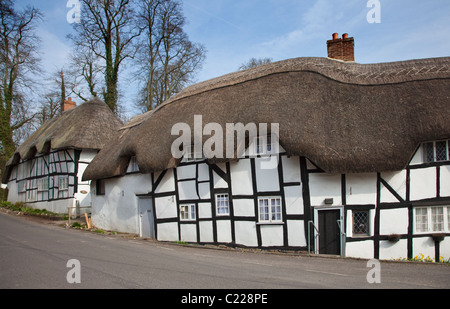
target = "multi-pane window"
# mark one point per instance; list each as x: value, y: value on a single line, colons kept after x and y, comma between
x: 361, y: 223
x: 448, y: 218
x: 437, y: 219
x: 437, y: 151
x: 269, y: 209
x: 22, y: 186
x: 264, y: 145
x: 192, y: 156
x: 187, y: 212
x: 432, y: 219
x: 63, y: 183
x: 222, y: 204
x: 421, y: 219
x: 43, y: 184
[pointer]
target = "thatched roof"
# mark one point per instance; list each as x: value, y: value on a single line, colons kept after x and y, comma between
x: 87, y: 126
x: 345, y: 117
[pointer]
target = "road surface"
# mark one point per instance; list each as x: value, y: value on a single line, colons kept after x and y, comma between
x: 35, y: 255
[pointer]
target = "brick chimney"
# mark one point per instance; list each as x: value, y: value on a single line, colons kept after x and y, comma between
x: 68, y: 104
x: 341, y: 49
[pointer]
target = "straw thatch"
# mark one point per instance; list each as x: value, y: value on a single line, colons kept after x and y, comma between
x: 345, y: 117
x: 87, y: 126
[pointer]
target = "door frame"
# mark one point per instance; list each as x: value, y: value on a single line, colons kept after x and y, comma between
x: 342, y: 226
x: 139, y: 217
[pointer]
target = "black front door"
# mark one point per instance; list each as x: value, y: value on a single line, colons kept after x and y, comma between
x: 330, y: 234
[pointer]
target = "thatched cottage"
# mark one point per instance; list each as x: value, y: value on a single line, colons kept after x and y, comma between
x: 363, y: 168
x: 46, y: 170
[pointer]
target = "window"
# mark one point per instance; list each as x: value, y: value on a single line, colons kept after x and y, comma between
x: 133, y: 166
x: 264, y: 145
x: 437, y: 151
x: 63, y: 183
x: 22, y: 186
x: 448, y: 218
x: 437, y: 219
x: 269, y: 209
x: 187, y: 212
x: 421, y: 220
x: 361, y: 223
x: 192, y: 156
x: 432, y: 219
x: 100, y: 187
x: 222, y: 204
x: 43, y: 184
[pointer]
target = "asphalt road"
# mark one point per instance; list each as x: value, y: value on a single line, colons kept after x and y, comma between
x: 35, y: 256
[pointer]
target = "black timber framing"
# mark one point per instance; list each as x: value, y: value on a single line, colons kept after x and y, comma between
x: 308, y: 214
x: 226, y: 176
x: 51, y: 166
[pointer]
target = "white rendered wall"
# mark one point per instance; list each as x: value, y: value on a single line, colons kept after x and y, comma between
x: 117, y: 210
x: 83, y: 194
x: 324, y: 186
x: 423, y: 183
x: 361, y: 249
x: 246, y: 233
x: 360, y: 188
x: 444, y: 189
x: 241, y: 177
x: 397, y: 181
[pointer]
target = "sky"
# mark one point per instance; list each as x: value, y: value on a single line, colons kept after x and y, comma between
x: 234, y: 31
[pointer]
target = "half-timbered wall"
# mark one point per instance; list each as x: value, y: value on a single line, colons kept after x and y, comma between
x: 389, y: 200
x: 51, y: 181
x: 224, y: 204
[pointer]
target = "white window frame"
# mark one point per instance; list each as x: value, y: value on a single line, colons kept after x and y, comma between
x: 430, y: 224
x: 187, y: 212
x: 63, y: 183
x: 434, y: 159
x: 268, y: 215
x: 222, y: 204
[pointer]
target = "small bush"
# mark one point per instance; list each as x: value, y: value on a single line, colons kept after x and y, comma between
x: 77, y: 225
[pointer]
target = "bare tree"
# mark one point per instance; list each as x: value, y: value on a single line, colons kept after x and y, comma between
x: 107, y: 30
x: 18, y: 63
x: 49, y: 108
x: 84, y: 74
x: 167, y: 59
x: 254, y: 62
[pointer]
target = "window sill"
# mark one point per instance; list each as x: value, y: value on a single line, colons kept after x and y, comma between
x: 361, y: 236
x: 270, y: 223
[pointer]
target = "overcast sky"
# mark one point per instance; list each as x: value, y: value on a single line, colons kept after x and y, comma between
x: 233, y: 31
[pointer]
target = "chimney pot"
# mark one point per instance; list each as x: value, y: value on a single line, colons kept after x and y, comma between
x: 341, y: 49
x: 68, y: 104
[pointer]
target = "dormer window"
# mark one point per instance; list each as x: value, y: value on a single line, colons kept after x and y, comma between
x: 133, y: 167
x: 264, y: 145
x: 437, y: 151
x: 192, y: 156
